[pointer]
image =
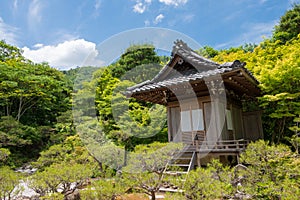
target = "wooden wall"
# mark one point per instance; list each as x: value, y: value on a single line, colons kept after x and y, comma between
x: 244, y: 125
x: 252, y: 125
x: 237, y: 120
x: 174, y: 128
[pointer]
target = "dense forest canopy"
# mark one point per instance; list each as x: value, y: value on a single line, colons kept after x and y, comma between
x: 32, y: 96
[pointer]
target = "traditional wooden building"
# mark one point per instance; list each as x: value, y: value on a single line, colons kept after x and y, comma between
x: 204, y: 104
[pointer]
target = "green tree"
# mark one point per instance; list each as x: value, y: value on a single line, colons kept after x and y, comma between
x: 105, y: 189
x: 273, y: 172
x: 72, y: 150
x: 134, y: 56
x: 213, y: 182
x: 208, y: 52
x: 32, y: 96
x: 4, y: 154
x: 289, y: 25
x: 276, y: 66
x: 64, y: 127
x: 21, y: 140
x: 29, y: 91
x: 13, y: 133
x: 9, y: 52
x: 65, y: 178
x: 8, y: 182
x: 123, y: 120
x: 146, y: 166
x: 280, y: 83
x: 106, y: 84
x: 136, y: 123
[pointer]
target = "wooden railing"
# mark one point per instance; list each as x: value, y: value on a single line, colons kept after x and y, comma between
x: 192, y: 162
x: 221, y: 145
x: 189, y: 137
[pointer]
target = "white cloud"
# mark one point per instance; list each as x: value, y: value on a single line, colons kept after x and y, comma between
x: 38, y: 45
x: 174, y: 2
x: 34, y: 16
x: 141, y: 5
x: 255, y: 34
x: 258, y: 30
x: 8, y: 33
x: 158, y: 19
x: 66, y: 55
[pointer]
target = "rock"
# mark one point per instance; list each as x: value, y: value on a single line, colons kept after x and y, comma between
x: 74, y: 196
x: 28, y: 169
x: 24, y: 192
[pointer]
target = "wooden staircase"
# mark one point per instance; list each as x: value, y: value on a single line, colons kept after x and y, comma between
x: 177, y: 169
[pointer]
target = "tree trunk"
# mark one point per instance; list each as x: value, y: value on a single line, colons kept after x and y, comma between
x: 20, y: 108
x: 281, y: 130
x: 7, y: 108
x: 99, y: 163
x: 125, y: 158
x: 152, y: 195
x: 277, y: 130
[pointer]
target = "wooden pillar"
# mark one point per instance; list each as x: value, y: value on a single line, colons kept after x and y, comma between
x: 191, y: 121
x: 170, y: 124
x: 198, y: 159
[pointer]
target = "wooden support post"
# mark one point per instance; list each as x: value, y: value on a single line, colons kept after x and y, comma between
x: 198, y: 159
x: 191, y: 121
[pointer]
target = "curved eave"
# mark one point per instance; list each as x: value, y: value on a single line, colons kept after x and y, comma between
x: 236, y: 80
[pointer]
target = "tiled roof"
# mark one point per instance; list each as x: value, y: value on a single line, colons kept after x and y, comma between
x: 149, y: 85
x: 197, y: 68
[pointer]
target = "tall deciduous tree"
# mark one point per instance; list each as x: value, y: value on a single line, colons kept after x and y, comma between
x: 122, y: 120
x: 29, y: 91
x: 276, y: 66
x: 8, y: 52
x: 289, y: 25
x: 134, y: 56
x: 32, y: 96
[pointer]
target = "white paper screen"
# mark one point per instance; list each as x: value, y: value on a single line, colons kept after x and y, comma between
x: 186, y: 121
x: 197, y: 116
x: 229, y: 120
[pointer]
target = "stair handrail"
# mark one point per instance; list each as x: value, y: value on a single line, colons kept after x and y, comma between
x: 192, y: 162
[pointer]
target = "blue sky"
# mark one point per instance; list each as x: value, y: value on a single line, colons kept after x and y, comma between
x: 64, y: 32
